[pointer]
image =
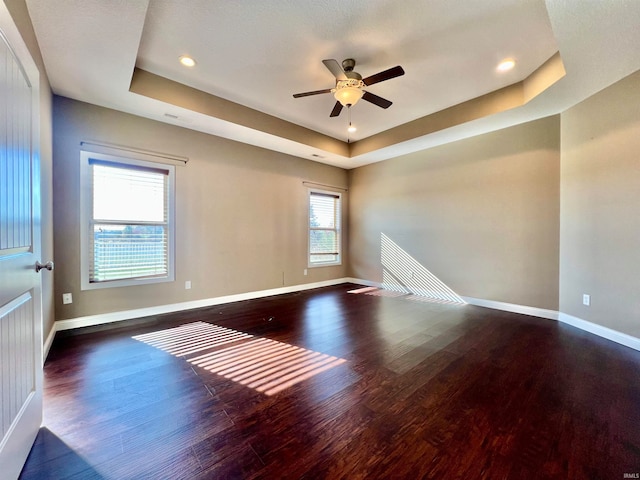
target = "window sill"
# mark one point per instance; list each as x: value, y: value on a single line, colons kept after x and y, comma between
x: 129, y: 282
x: 319, y: 265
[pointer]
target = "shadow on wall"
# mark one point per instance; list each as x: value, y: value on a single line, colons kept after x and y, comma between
x: 403, y: 273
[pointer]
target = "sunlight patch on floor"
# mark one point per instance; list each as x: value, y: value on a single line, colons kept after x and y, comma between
x: 265, y: 365
x: 363, y: 290
x: 381, y: 292
x: 191, y: 338
x: 420, y: 298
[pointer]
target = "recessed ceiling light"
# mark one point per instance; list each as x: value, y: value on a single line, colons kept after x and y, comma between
x: 506, y: 65
x: 187, y: 61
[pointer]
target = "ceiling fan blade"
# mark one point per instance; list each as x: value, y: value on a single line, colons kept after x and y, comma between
x: 337, y: 108
x: 382, y: 76
x: 315, y: 92
x: 376, y: 100
x: 335, y: 68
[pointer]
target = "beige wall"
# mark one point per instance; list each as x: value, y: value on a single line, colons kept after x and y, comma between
x: 20, y: 15
x: 536, y: 214
x: 481, y: 214
x: 600, y: 208
x: 241, y: 212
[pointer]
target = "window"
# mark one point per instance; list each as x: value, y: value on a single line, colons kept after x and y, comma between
x: 127, y: 227
x: 324, y: 228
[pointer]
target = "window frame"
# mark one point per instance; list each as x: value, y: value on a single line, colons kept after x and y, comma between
x: 86, y: 217
x: 337, y: 229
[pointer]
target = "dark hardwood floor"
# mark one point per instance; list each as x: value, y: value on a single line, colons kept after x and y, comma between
x: 427, y: 391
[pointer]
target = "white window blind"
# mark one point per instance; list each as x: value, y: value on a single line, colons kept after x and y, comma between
x: 324, y: 228
x: 129, y: 230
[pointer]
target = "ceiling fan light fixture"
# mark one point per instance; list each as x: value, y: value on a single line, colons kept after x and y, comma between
x: 348, y: 95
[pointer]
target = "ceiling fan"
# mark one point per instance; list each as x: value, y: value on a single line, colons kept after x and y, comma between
x: 350, y: 85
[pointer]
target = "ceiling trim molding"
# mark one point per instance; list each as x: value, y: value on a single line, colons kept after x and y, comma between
x: 513, y: 96
x: 180, y: 95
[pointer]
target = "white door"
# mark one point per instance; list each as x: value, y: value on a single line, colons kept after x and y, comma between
x: 20, y: 290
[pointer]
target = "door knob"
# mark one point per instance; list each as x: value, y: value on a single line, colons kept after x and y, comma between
x: 46, y: 266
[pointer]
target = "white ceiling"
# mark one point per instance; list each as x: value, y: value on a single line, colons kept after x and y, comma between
x: 258, y: 54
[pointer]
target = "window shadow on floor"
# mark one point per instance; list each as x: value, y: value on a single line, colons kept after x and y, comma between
x: 51, y: 458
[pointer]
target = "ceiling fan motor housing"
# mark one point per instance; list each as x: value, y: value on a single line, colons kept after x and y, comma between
x: 348, y: 64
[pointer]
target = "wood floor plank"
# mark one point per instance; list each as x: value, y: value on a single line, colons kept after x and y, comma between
x: 426, y: 390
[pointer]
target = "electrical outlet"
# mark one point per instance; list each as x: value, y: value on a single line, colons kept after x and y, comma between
x: 187, y: 285
x: 305, y: 272
x: 67, y: 298
x: 586, y: 299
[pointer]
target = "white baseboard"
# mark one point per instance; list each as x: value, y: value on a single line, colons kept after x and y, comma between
x: 91, y: 320
x: 361, y: 281
x: 512, y: 307
x: 604, y: 332
x: 100, y: 319
x: 48, y: 342
x: 508, y: 307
